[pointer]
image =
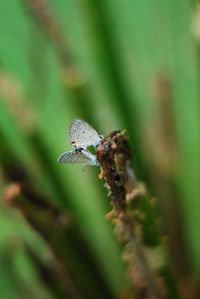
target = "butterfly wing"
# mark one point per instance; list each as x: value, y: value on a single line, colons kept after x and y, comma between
x: 82, y: 135
x: 76, y: 157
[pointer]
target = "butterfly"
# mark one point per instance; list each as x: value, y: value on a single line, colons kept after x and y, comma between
x: 79, y: 156
x: 81, y: 136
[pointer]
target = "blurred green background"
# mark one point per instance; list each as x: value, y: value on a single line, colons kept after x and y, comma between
x: 130, y: 65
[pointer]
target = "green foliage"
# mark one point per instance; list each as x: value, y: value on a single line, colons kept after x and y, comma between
x: 119, y: 65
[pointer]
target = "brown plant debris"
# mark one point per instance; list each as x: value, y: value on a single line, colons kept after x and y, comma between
x: 114, y: 155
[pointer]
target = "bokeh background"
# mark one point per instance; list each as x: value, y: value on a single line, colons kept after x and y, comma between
x: 130, y: 65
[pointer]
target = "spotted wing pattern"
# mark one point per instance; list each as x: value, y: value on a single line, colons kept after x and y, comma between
x: 82, y: 135
x: 75, y: 157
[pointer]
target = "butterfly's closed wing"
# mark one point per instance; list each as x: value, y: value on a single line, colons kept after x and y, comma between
x: 78, y: 157
x: 82, y: 135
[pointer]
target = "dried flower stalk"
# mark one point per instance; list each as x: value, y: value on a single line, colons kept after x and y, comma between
x: 115, y: 156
